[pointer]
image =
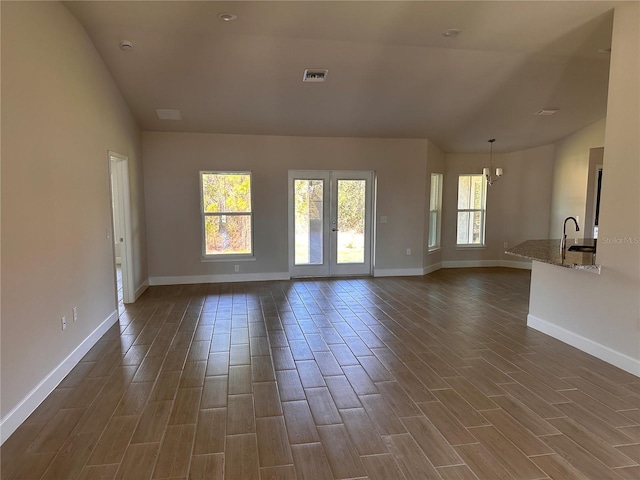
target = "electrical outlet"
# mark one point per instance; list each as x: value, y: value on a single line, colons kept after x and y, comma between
x: 236, y: 268
x: 75, y: 314
x: 506, y: 245
x: 64, y: 322
x: 383, y: 219
x: 408, y: 251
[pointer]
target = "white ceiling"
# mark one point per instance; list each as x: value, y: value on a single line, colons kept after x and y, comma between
x: 391, y: 71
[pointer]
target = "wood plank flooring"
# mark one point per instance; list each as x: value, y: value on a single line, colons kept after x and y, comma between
x: 432, y: 377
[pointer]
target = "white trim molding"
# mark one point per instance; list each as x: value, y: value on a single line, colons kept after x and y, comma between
x: 470, y: 263
x: 618, y: 359
x: 141, y: 289
x: 486, y: 263
x: 515, y: 264
x: 397, y: 272
x: 39, y: 393
x: 219, y: 278
x: 431, y: 268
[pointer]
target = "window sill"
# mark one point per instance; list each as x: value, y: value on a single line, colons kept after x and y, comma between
x: 471, y: 247
x: 434, y: 250
x: 229, y: 258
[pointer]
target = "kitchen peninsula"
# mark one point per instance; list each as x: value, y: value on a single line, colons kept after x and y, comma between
x: 549, y: 251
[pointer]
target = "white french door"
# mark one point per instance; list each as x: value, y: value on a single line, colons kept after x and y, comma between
x: 330, y: 223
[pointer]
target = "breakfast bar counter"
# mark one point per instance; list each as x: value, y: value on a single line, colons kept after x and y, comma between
x: 548, y: 251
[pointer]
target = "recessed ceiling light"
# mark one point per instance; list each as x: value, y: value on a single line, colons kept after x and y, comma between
x: 452, y: 32
x: 547, y: 112
x: 605, y: 50
x: 126, y: 45
x: 168, y: 114
x: 227, y: 17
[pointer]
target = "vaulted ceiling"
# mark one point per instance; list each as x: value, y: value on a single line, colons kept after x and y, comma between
x: 392, y: 72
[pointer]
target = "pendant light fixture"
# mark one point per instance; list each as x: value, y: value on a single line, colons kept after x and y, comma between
x: 488, y: 171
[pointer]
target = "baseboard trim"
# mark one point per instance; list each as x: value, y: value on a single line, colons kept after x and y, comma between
x: 220, y: 278
x: 377, y: 272
x: 513, y: 264
x: 486, y: 263
x: 140, y: 290
x: 398, y: 272
x: 35, y: 397
x: 469, y: 263
x: 431, y: 268
x: 620, y: 360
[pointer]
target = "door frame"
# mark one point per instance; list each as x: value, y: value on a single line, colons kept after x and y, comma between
x: 119, y: 177
x: 328, y: 268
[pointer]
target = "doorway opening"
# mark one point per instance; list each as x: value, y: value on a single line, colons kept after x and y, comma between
x: 330, y: 217
x: 121, y: 215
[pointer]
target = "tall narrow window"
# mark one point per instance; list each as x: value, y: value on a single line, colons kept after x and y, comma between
x: 227, y: 216
x: 435, y: 211
x: 472, y: 190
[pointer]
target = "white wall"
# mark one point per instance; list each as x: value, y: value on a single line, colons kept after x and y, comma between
x: 601, y: 313
x: 571, y: 175
x: 518, y: 205
x: 61, y: 113
x: 171, y: 165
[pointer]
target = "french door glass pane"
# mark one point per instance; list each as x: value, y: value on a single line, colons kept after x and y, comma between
x: 350, y: 221
x: 308, y: 198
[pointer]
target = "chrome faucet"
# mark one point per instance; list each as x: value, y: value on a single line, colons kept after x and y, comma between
x: 563, y: 243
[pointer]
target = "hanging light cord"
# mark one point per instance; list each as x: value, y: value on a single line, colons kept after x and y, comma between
x: 491, y: 153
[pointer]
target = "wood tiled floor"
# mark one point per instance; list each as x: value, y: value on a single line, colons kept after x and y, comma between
x: 432, y: 377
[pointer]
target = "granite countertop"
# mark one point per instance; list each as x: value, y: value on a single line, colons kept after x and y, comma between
x: 548, y: 251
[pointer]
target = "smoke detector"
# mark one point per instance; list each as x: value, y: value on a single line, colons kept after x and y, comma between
x: 547, y: 112
x: 227, y: 17
x: 315, y: 75
x: 451, y: 32
x: 126, y: 45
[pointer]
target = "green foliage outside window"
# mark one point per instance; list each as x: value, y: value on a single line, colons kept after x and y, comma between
x: 227, y: 212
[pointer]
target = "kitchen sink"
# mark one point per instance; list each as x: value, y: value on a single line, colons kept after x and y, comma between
x: 582, y: 248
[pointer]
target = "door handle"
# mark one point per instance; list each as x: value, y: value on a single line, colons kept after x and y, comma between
x: 335, y: 230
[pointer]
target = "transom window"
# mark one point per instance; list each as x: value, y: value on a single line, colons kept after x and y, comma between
x: 227, y: 216
x: 472, y: 192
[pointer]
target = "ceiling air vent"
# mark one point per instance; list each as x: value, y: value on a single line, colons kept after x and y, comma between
x: 168, y: 114
x: 315, y: 75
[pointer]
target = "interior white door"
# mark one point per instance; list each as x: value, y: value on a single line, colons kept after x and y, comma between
x: 330, y: 216
x: 121, y: 214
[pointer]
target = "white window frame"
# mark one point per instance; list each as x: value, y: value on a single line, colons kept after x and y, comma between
x: 482, y: 210
x: 224, y: 256
x: 435, y: 208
